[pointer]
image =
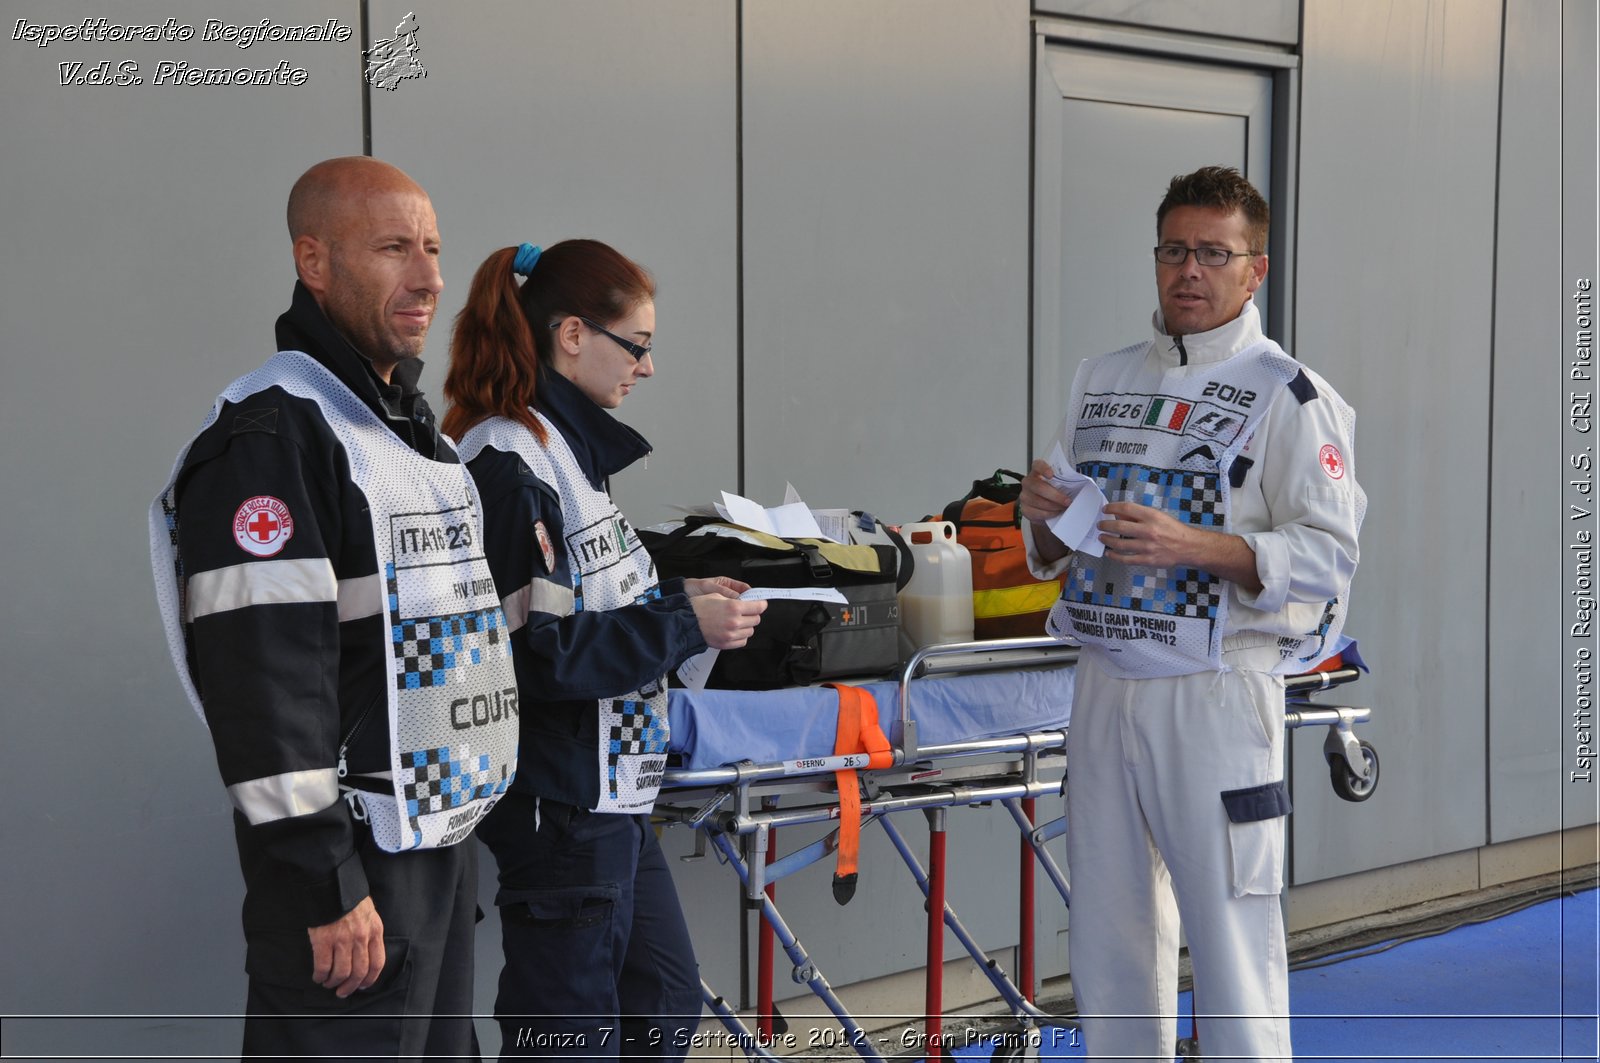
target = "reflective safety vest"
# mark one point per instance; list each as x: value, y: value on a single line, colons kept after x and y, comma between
x: 1168, y: 441
x: 610, y: 569
x: 451, y: 707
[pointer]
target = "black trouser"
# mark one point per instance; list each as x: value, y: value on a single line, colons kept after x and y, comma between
x: 598, y: 961
x: 421, y: 1005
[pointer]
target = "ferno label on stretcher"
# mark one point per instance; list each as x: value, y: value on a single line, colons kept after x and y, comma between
x: 697, y: 669
x: 807, y: 765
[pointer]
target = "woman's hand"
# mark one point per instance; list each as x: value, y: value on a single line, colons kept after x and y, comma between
x: 726, y: 623
x: 722, y: 586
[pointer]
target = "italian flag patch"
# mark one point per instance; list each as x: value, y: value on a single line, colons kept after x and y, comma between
x: 1167, y: 413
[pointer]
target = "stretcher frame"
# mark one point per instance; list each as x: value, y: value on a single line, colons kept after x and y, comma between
x: 734, y: 810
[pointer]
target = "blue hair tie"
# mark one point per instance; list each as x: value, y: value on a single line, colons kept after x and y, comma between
x: 527, y: 258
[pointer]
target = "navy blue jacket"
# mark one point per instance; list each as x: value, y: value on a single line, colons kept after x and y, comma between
x: 566, y: 663
x: 285, y: 686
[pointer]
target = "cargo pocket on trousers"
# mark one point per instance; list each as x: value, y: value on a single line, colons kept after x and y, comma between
x: 560, y: 949
x: 279, y: 966
x: 1255, y: 837
x: 573, y: 909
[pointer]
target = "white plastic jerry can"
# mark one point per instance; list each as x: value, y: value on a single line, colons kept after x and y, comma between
x: 936, y: 606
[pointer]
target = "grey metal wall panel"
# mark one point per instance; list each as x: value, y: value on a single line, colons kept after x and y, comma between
x: 1273, y: 21
x: 885, y: 249
x: 614, y: 120
x: 147, y: 260
x: 1527, y: 522
x: 1394, y: 298
x: 1580, y: 253
x: 886, y: 324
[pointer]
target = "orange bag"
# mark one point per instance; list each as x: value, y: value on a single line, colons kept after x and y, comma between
x: 1007, y: 602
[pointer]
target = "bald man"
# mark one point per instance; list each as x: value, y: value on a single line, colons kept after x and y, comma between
x: 334, y: 622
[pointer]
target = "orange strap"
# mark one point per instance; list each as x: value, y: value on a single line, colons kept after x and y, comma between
x: 858, y: 732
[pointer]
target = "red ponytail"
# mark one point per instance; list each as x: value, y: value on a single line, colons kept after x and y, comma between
x: 495, y: 354
x: 493, y: 368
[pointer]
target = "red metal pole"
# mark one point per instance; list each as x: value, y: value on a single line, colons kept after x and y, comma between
x: 934, y: 1002
x: 1025, y: 931
x: 764, y: 950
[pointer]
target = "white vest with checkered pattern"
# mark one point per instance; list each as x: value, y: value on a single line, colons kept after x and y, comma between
x: 610, y: 569
x: 452, y: 701
x: 1166, y: 440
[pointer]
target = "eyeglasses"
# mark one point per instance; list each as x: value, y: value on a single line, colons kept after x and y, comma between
x: 1176, y: 254
x: 637, y: 350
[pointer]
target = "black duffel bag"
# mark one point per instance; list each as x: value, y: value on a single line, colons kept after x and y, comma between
x: 797, y: 642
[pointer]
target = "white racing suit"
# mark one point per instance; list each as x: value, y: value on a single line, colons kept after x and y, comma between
x: 1175, y: 760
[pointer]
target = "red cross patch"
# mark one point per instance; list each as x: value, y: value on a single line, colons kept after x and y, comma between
x: 546, y: 550
x: 1332, y: 461
x: 262, y: 526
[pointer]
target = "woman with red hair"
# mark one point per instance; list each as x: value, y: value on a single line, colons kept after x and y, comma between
x: 598, y: 961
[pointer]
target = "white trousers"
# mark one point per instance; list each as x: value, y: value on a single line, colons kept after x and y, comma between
x: 1149, y: 840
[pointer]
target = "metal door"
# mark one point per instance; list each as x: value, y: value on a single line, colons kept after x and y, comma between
x: 1111, y: 129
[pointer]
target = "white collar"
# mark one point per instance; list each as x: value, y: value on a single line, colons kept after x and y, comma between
x: 1218, y: 345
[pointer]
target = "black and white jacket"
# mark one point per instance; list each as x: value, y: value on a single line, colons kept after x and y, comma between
x: 292, y: 691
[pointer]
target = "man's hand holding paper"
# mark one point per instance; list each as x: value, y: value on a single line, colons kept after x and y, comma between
x: 1065, y: 501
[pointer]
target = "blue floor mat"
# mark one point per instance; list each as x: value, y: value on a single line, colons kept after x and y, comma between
x: 1523, y: 986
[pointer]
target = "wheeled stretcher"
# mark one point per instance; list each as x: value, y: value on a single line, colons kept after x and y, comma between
x: 967, y: 724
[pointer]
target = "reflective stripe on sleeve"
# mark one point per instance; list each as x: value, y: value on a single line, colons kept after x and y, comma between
x: 294, y: 793
x: 361, y: 596
x: 261, y: 583
x: 540, y: 596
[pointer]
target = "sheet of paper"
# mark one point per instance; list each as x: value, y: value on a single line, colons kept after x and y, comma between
x: 834, y: 523
x: 794, y: 521
x: 809, y: 594
x: 694, y: 672
x: 791, y: 521
x: 742, y: 511
x: 1078, y: 524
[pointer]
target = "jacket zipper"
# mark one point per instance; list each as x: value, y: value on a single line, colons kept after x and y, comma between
x: 355, y: 729
x: 353, y: 796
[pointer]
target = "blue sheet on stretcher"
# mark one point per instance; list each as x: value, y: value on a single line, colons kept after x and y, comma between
x: 711, y: 728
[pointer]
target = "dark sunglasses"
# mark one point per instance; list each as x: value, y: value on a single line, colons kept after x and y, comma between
x: 637, y: 350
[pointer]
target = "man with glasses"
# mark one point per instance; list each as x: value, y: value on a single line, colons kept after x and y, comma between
x: 1229, y: 541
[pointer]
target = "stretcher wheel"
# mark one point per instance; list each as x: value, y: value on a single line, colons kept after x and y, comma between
x: 1188, y: 1048
x: 1345, y: 781
x: 1016, y: 1045
x: 1008, y: 1050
